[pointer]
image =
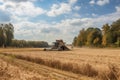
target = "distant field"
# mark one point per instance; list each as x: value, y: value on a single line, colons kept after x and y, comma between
x: 100, y: 60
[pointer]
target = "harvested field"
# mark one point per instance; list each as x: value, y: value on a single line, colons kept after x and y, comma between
x: 94, y: 63
x: 11, y: 72
x: 24, y: 70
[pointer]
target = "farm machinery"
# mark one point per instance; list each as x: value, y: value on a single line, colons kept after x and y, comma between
x: 59, y: 45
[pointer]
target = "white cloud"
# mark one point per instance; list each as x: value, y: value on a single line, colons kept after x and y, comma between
x: 72, y: 1
x: 99, y: 2
x: 28, y: 9
x: 56, y: 10
x: 102, y: 2
x: 117, y: 8
x: 1, y: 1
x: 66, y: 29
x: 22, y: 9
x: 62, y: 8
x: 76, y: 15
x: 77, y: 8
x: 92, y: 2
x: 16, y: 0
x: 94, y: 15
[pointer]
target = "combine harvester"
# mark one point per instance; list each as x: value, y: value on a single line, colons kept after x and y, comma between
x: 59, y: 45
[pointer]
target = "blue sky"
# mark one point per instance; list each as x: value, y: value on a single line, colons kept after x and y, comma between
x: 48, y: 20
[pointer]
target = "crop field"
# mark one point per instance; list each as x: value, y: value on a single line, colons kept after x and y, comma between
x: 77, y: 64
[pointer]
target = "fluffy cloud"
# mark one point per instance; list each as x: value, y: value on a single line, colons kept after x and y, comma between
x: 76, y: 15
x: 117, y: 8
x: 94, y: 15
x: 16, y: 0
x: 22, y: 9
x: 63, y: 8
x: 102, y: 2
x: 50, y: 30
x: 92, y: 2
x: 1, y: 1
x: 77, y: 8
x: 28, y: 9
x: 59, y: 9
x: 99, y: 2
x: 72, y: 1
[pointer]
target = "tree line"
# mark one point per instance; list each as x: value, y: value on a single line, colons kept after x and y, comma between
x: 7, y: 38
x: 24, y: 43
x: 108, y: 36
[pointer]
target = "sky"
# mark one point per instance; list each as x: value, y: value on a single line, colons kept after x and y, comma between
x: 48, y: 20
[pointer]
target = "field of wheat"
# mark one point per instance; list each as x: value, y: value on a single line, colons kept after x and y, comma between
x: 12, y: 72
x: 97, y: 64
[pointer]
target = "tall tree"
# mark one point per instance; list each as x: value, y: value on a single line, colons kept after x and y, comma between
x: 81, y: 39
x: 2, y: 38
x: 94, y: 37
x: 6, y: 34
x: 115, y: 28
x: 107, y: 36
x: 9, y: 30
x: 74, y: 41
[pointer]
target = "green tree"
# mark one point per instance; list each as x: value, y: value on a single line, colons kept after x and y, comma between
x: 81, y: 39
x: 94, y: 37
x: 111, y: 34
x: 8, y: 30
x: 115, y: 28
x: 107, y: 36
x: 74, y: 41
x: 6, y: 34
x: 2, y: 37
